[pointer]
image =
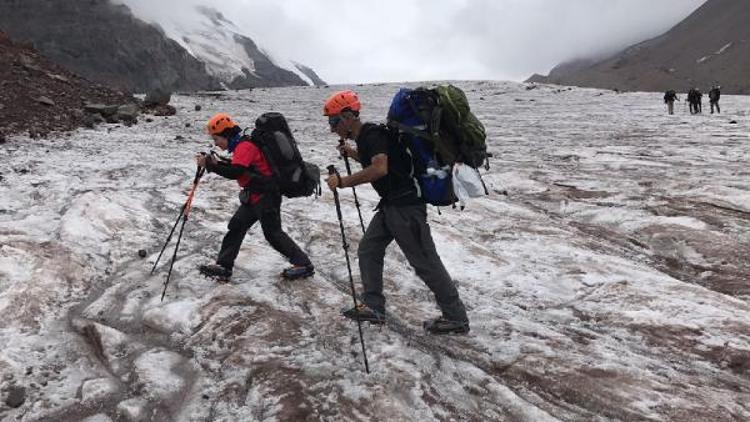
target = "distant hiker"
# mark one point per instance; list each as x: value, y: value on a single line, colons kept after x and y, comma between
x: 260, y: 200
x: 401, y: 215
x: 714, y: 95
x: 695, y: 98
x: 692, y: 100
x: 669, y: 99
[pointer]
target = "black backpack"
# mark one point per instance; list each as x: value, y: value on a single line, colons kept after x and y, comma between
x: 293, y: 176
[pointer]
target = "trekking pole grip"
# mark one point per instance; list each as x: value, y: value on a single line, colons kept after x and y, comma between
x: 332, y: 170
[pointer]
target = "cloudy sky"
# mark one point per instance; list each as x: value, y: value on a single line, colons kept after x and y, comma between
x: 410, y: 40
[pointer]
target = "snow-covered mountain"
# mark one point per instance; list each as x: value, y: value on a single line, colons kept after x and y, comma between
x: 121, y: 44
x: 229, y: 53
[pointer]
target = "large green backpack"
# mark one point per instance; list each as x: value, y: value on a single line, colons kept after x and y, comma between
x: 442, y: 116
x: 467, y: 129
x: 439, y: 130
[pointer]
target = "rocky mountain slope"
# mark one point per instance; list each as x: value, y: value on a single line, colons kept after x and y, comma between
x: 37, y: 96
x: 107, y: 43
x: 104, y: 43
x: 711, y: 46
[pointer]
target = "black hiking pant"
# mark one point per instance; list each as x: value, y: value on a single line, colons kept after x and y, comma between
x: 408, y: 226
x: 268, y: 211
x: 715, y: 103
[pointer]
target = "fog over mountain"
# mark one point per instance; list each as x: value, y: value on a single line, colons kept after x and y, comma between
x: 710, y: 47
x: 392, y: 40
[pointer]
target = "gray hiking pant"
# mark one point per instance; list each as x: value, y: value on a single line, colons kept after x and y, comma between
x: 408, y: 226
x: 670, y: 107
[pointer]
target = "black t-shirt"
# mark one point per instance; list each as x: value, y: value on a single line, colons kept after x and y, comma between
x: 398, y: 187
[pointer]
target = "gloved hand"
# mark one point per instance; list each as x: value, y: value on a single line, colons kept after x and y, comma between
x: 205, y: 160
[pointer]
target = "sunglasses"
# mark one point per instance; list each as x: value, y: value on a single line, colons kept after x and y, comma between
x: 334, y: 121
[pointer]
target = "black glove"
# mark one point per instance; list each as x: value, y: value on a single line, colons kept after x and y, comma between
x: 210, y: 161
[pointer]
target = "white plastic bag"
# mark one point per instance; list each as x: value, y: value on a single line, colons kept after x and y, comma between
x: 467, y: 183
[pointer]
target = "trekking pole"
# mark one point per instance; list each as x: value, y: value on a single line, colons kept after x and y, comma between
x: 182, y: 210
x: 332, y: 171
x: 198, y: 174
x: 354, y: 191
x: 184, y: 213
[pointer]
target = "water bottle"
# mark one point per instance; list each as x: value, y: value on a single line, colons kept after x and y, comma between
x: 435, y: 171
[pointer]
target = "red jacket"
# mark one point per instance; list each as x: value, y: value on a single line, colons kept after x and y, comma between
x: 247, y: 154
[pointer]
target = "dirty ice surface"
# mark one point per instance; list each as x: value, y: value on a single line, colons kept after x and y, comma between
x: 606, y: 276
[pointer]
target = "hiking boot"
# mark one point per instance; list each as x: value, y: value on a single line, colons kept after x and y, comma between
x: 298, y: 271
x: 445, y: 326
x: 363, y: 313
x: 216, y: 271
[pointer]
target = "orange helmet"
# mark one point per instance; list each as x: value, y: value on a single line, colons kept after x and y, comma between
x: 219, y: 123
x: 341, y: 101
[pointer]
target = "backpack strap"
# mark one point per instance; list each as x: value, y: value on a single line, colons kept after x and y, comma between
x: 256, y: 141
x: 388, y: 130
x: 432, y: 120
x: 263, y: 184
x: 412, y: 131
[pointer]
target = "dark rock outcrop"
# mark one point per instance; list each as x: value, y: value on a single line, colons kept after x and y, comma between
x: 104, y: 43
x: 157, y: 97
x: 711, y: 46
x: 16, y: 396
x: 39, y: 97
x: 266, y: 73
x: 311, y: 74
